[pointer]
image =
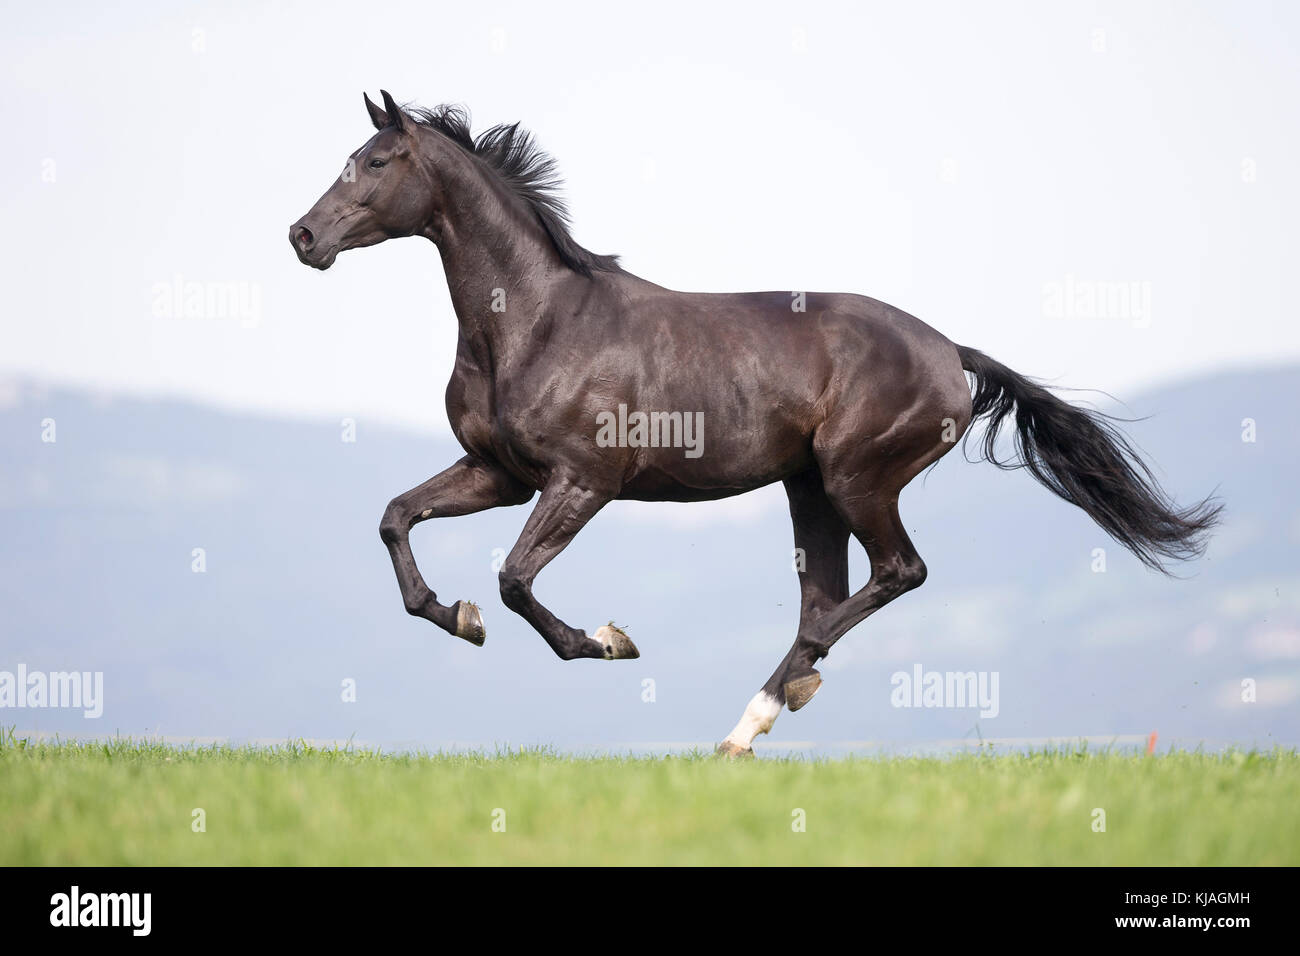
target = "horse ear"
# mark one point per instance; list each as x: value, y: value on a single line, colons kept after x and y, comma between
x: 396, y: 118
x: 377, y: 116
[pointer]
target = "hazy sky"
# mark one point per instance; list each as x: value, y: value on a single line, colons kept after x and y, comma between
x: 991, y: 168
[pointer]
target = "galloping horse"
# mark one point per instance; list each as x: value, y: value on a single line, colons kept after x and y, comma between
x: 842, y: 398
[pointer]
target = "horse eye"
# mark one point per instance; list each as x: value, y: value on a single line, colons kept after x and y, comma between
x: 377, y: 164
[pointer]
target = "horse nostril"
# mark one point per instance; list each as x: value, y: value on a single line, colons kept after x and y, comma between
x: 304, y: 238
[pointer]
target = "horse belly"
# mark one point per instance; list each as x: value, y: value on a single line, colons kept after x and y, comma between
x: 710, y: 458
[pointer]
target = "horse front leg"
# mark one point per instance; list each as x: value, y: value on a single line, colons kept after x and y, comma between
x: 565, y: 507
x: 468, y: 486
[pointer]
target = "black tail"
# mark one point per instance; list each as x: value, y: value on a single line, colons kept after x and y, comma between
x: 1082, y: 457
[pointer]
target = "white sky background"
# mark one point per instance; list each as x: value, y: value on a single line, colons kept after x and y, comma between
x: 717, y: 147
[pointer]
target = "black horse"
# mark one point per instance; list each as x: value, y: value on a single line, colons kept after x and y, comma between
x: 579, y: 380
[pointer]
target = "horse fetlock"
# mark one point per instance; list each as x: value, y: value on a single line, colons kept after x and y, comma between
x: 760, y: 714
x: 417, y: 602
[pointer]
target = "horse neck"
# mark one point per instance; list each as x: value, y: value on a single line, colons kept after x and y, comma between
x: 501, y: 266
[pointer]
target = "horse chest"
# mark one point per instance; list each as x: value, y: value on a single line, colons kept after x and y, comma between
x: 469, y: 410
x: 486, y: 425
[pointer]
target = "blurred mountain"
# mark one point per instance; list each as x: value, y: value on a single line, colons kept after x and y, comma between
x: 98, y: 531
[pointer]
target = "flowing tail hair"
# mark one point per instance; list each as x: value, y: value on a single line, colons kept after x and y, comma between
x: 1083, y: 458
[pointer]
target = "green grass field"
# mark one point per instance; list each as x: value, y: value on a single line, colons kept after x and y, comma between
x: 133, y: 803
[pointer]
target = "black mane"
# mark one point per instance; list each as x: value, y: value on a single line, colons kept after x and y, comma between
x: 511, y: 153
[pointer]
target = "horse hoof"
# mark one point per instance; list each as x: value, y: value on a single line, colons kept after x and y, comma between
x: 614, y: 643
x: 731, y: 751
x: 469, y: 623
x: 800, y: 690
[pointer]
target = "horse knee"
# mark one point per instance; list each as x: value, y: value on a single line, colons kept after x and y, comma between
x: 392, y: 525
x: 514, y: 588
x: 913, y: 573
x: 903, y: 574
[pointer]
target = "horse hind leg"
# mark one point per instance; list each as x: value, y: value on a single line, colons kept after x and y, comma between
x: 896, y: 568
x: 822, y: 562
x: 854, y: 489
x: 867, y: 500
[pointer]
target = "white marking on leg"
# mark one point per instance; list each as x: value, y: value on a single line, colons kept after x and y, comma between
x: 760, y: 715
